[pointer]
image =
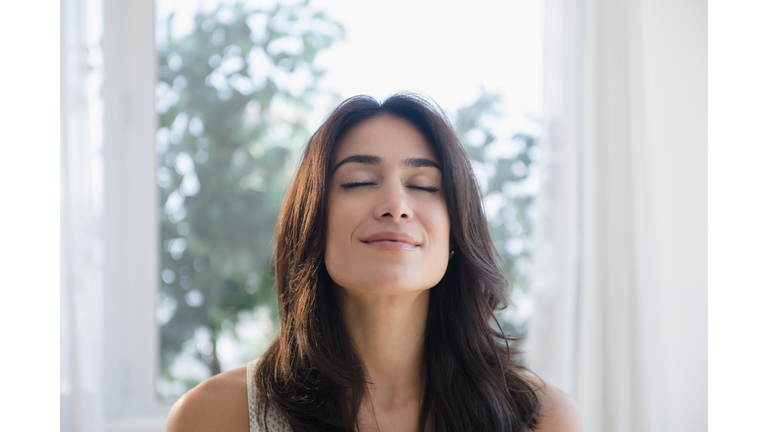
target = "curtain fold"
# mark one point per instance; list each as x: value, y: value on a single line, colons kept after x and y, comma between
x: 81, y: 261
x: 621, y: 234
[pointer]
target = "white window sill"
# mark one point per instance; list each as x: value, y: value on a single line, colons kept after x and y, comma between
x: 135, y: 424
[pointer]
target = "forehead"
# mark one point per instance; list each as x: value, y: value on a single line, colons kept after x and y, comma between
x: 387, y: 137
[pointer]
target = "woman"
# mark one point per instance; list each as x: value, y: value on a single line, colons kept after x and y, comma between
x: 387, y: 280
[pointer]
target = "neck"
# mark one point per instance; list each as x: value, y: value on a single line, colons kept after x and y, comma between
x: 388, y: 334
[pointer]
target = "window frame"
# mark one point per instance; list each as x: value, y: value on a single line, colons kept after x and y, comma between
x: 130, y: 225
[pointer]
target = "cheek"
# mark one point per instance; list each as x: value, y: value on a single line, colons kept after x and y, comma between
x: 343, y: 219
x: 339, y: 229
x: 441, y: 227
x: 332, y: 229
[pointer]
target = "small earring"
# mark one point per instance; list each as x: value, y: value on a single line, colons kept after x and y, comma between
x: 451, y: 256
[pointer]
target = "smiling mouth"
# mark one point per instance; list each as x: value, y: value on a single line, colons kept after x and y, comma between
x: 394, y: 245
x: 391, y: 240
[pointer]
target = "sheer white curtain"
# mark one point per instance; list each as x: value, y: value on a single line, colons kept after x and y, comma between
x: 620, y: 320
x: 81, y: 258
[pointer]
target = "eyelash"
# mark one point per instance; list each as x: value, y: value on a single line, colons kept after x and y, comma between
x: 430, y: 189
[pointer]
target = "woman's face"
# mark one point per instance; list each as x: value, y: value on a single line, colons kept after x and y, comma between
x: 388, y: 228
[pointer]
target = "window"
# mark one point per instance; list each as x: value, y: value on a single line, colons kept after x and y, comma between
x: 202, y: 127
x: 237, y: 86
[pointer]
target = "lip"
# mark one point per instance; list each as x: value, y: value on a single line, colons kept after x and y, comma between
x: 391, y: 240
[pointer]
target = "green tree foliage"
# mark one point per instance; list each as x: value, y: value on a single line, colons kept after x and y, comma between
x: 232, y: 96
x: 505, y: 168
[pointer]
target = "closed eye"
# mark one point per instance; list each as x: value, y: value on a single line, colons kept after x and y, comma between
x: 351, y: 185
x: 425, y: 188
x: 356, y: 184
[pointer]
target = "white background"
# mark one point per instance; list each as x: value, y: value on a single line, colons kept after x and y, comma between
x: 29, y: 217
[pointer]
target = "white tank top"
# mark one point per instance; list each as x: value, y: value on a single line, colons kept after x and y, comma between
x: 275, y: 421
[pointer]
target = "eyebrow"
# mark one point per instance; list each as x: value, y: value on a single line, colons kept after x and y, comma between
x: 375, y: 160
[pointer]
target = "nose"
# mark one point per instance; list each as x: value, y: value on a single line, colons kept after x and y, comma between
x: 393, y: 204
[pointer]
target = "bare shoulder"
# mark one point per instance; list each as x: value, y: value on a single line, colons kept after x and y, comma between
x: 559, y: 411
x: 219, y: 403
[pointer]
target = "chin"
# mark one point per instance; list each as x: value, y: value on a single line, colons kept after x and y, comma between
x: 385, y: 279
x: 390, y: 285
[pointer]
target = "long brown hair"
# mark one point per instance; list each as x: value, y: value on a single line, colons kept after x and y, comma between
x: 311, y: 374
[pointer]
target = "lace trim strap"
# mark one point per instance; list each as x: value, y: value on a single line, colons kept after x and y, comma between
x: 274, y: 422
x: 252, y: 419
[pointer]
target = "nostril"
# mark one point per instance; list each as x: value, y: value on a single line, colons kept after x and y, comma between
x: 402, y: 216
